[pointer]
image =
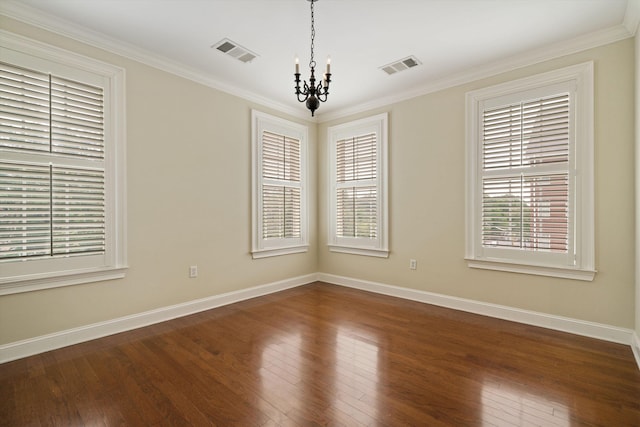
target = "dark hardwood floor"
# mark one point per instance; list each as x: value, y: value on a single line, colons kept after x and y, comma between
x: 327, y: 355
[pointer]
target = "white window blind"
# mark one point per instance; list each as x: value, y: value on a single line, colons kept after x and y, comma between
x: 358, y: 187
x: 62, y: 168
x: 525, y: 175
x: 279, y: 208
x: 356, y: 193
x: 281, y: 195
x: 52, y: 182
x: 530, y: 175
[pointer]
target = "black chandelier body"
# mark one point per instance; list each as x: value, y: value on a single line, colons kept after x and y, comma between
x: 311, y: 93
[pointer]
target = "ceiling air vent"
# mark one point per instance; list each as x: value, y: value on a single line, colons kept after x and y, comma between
x: 233, y: 49
x: 401, y: 65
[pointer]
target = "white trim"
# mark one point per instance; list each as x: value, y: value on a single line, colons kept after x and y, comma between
x: 539, y: 270
x: 113, y: 265
x: 632, y: 16
x: 266, y: 253
x: 31, y: 16
x: 260, y: 247
x: 380, y: 253
x: 34, y: 17
x: 20, y: 349
x: 549, y: 321
x: 635, y: 347
x: 579, y: 261
x: 58, y: 280
x: 378, y: 247
x: 476, y: 73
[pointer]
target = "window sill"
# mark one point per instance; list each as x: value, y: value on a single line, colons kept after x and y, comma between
x: 539, y: 270
x: 36, y: 282
x: 266, y: 253
x: 380, y: 253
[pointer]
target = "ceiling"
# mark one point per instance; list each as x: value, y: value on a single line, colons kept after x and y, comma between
x: 455, y: 40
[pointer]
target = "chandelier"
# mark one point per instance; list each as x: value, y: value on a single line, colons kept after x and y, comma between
x: 310, y: 93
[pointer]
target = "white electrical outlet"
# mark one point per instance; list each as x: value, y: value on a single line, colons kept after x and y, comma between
x: 413, y: 264
x: 193, y: 271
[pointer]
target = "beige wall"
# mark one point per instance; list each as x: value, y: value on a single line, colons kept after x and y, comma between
x: 189, y: 199
x: 637, y: 182
x: 183, y: 137
x: 426, y: 190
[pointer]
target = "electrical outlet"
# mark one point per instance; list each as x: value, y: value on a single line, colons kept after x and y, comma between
x: 193, y: 271
x: 413, y: 264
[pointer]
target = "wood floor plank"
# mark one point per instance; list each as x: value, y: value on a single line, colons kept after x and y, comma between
x: 324, y: 355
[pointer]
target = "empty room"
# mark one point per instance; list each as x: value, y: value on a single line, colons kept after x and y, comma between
x: 319, y: 212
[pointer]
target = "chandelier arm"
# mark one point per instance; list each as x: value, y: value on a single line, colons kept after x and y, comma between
x: 304, y: 98
x: 303, y: 94
x: 322, y: 95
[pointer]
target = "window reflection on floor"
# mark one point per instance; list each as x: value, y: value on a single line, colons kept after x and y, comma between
x: 357, y: 374
x: 350, y: 365
x: 505, y: 405
x: 280, y: 374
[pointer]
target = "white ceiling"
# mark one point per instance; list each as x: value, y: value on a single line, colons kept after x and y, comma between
x: 454, y: 39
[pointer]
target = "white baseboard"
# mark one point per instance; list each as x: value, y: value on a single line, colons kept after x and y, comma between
x: 41, y: 344
x: 20, y: 349
x: 635, y: 347
x: 565, y: 324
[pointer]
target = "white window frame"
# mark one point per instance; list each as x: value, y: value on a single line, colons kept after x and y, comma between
x: 262, y: 248
x: 579, y: 263
x: 28, y: 275
x: 378, y: 247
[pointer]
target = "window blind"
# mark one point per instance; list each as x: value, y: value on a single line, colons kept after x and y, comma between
x: 281, y: 186
x: 525, y: 175
x: 77, y: 125
x: 356, y: 192
x: 52, y: 177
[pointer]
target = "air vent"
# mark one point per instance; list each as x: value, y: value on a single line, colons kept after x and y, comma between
x: 401, y: 65
x: 234, y: 50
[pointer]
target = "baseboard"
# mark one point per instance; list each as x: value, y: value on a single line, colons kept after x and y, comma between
x: 41, y: 344
x: 635, y: 347
x: 564, y: 324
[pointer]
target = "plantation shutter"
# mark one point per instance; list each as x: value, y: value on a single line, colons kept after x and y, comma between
x: 281, y: 186
x: 52, y: 173
x: 525, y: 174
x: 356, y: 182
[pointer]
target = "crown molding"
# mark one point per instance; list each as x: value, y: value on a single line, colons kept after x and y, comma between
x: 632, y: 16
x: 34, y: 17
x: 31, y: 16
x: 532, y: 57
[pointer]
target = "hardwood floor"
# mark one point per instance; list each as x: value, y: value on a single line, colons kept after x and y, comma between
x: 327, y: 355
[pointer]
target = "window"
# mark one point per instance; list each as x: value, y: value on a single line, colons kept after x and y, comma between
x: 61, y: 168
x: 279, y: 192
x: 358, y: 173
x: 530, y: 175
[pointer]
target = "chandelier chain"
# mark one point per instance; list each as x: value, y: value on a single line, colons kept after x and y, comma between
x: 312, y: 62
